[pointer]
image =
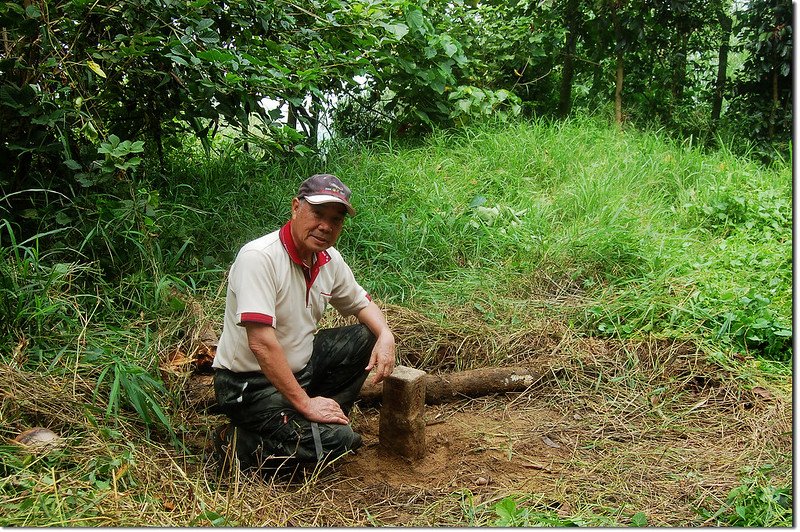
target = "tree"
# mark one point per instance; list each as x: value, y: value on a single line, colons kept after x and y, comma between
x: 765, y: 28
x: 572, y: 23
x: 725, y: 23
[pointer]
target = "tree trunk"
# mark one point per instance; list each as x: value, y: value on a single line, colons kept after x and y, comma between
x: 679, y: 68
x: 291, y: 119
x: 571, y: 23
x: 722, y: 69
x: 776, y: 103
x: 620, y: 65
x: 316, y: 110
x: 199, y: 389
x: 245, y: 126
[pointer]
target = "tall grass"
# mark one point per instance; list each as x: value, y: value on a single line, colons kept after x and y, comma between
x: 657, y: 237
x: 642, y: 236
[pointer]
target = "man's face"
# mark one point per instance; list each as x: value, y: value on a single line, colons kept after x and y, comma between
x: 316, y: 227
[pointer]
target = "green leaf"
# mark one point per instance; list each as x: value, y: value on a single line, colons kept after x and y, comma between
x: 398, y: 31
x: 639, y: 520
x: 416, y: 21
x: 33, y: 11
x: 96, y: 68
x: 216, y: 55
x: 84, y: 180
x: 506, y: 509
x: 449, y: 46
x: 760, y: 323
x: 204, y: 24
x: 63, y: 219
x: 13, y: 7
x: 177, y: 59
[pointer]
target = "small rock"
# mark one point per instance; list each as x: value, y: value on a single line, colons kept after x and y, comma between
x: 482, y: 481
x: 37, y: 437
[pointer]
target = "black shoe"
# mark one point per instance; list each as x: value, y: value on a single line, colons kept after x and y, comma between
x: 356, y: 441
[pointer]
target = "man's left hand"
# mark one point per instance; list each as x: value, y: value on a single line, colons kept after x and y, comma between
x: 382, y: 358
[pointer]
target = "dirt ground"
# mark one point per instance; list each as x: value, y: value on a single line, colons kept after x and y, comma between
x: 491, y: 447
x: 612, y: 431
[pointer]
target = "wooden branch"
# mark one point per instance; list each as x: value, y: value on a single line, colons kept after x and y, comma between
x: 471, y: 383
x: 439, y: 389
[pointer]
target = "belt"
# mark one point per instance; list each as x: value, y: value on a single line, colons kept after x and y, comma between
x: 317, y: 440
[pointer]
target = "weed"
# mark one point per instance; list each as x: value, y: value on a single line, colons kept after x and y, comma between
x: 754, y: 503
x: 511, y: 515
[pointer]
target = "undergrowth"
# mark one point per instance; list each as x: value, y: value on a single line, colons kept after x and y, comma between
x: 489, y: 229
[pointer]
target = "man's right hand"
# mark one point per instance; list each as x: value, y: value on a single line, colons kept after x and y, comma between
x: 324, y: 410
x: 269, y: 353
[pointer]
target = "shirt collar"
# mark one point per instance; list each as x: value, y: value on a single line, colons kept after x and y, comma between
x: 285, y: 234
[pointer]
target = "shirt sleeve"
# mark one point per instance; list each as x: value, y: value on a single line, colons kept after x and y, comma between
x: 348, y: 296
x: 252, y: 279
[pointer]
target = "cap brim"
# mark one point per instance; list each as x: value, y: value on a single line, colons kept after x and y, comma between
x: 324, y: 198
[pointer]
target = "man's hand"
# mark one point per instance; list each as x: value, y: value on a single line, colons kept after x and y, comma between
x: 269, y: 353
x: 382, y: 357
x: 324, y: 410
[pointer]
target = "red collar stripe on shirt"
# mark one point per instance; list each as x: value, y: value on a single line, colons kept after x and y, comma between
x: 322, y: 257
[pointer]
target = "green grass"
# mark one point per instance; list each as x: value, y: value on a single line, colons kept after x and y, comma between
x: 660, y: 238
x: 626, y: 235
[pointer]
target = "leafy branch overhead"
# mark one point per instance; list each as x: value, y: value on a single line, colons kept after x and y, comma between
x: 76, y: 72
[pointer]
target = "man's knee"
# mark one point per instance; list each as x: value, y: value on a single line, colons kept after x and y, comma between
x: 337, y: 439
x: 366, y: 335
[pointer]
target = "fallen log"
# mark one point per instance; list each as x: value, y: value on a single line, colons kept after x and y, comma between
x: 470, y: 383
x: 438, y: 388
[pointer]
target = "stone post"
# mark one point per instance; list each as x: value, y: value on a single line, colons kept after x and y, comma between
x: 402, y: 418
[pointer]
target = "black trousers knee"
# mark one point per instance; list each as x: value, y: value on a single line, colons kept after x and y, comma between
x: 268, y: 427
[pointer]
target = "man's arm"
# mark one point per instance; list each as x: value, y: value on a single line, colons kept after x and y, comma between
x: 383, y: 353
x: 269, y: 353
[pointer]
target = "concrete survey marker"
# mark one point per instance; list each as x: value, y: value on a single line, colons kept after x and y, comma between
x: 402, y: 419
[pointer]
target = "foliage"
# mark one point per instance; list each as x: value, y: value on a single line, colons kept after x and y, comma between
x: 755, y: 503
x: 81, y: 72
x: 762, y: 92
x: 42, y: 498
x: 657, y: 238
x: 628, y: 235
x: 510, y: 514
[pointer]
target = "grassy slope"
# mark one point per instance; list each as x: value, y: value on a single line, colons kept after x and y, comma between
x: 483, y: 232
x: 653, y: 237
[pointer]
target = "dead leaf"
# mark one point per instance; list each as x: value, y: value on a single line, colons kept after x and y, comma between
x: 207, y: 335
x: 534, y: 465
x: 763, y: 392
x: 550, y: 443
x: 655, y: 400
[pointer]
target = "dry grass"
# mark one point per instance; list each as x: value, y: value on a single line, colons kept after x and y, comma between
x: 649, y: 426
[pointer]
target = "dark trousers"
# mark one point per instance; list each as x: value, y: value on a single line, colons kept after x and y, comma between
x: 269, y: 430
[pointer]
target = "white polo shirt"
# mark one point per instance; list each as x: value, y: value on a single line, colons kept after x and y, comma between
x: 268, y: 283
